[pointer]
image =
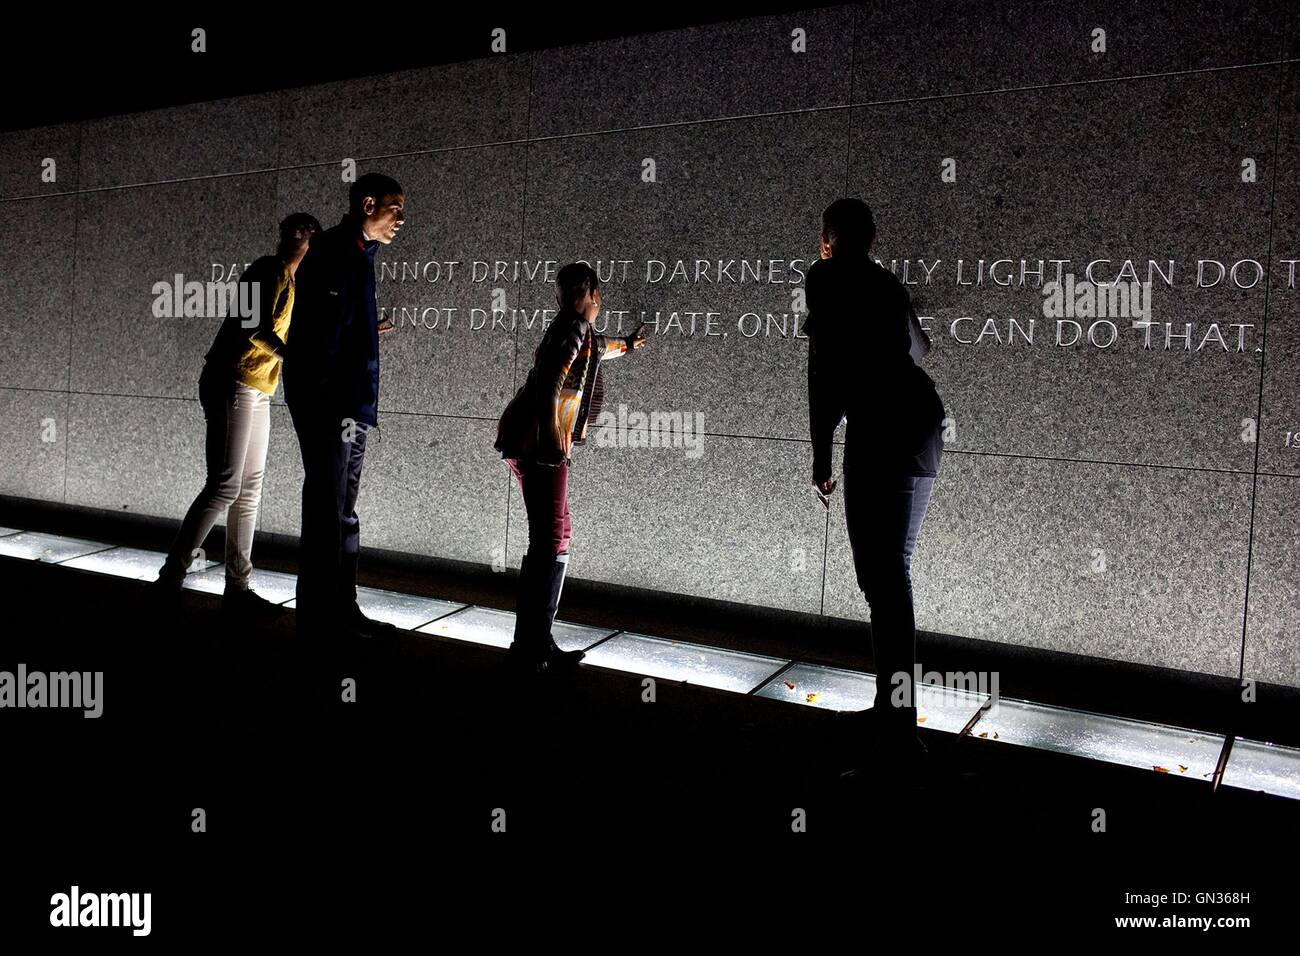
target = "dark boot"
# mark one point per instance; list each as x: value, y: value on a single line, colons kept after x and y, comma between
x: 896, y: 730
x: 526, y: 651
x: 534, y: 650
x: 883, y: 743
x: 896, y: 752
x: 172, y: 573
x: 555, y: 585
x: 164, y: 593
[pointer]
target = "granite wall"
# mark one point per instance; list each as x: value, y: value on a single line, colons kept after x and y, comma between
x: 1099, y: 497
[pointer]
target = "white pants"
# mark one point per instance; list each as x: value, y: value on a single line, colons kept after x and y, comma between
x: 238, y: 430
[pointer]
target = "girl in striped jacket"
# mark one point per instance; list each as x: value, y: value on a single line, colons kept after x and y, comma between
x: 536, y: 434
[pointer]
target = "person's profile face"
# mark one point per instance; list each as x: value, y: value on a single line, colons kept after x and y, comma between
x: 383, y: 217
x: 825, y: 246
x: 592, y: 305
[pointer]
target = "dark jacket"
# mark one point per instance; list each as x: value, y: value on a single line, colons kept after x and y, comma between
x: 332, y: 360
x: 863, y: 342
x: 549, y: 413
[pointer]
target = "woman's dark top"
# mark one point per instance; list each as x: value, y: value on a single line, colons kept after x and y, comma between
x: 862, y: 338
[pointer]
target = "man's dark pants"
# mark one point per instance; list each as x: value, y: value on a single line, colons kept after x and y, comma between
x: 331, y: 531
x: 884, y: 512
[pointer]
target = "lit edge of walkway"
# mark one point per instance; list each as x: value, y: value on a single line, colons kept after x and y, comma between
x: 1273, y: 768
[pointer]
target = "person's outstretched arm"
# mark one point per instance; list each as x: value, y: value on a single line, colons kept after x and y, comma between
x: 612, y: 346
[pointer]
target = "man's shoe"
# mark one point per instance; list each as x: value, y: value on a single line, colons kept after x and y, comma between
x: 248, y: 604
x: 315, y: 632
x: 356, y: 621
x: 558, y: 658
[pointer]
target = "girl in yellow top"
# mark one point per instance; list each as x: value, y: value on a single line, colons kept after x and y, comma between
x: 240, y: 374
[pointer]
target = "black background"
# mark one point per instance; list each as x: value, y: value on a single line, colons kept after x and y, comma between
x: 120, y: 60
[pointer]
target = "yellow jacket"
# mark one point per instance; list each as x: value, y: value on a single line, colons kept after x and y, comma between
x: 253, y: 355
x: 258, y: 366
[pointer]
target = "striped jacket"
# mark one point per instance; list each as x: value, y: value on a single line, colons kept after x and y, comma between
x: 549, y: 413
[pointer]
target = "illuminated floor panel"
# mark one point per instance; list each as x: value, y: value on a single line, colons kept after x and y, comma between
x: 407, y: 611
x: 572, y: 637
x: 678, y: 661
x: 486, y: 625
x: 5, y: 531
x: 275, y: 586
x: 831, y: 687
x: 1184, y: 753
x: 947, y: 709
x: 1254, y: 765
x: 477, y: 625
x: 838, y: 689
x: 50, y: 548
x: 121, y: 563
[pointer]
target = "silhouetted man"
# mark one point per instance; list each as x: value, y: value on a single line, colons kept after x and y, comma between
x: 331, y: 382
x: 864, y: 341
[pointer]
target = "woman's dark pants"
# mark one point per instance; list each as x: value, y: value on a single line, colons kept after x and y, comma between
x: 884, y: 513
x: 545, y: 490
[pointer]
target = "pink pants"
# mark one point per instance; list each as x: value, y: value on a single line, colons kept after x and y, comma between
x: 545, y: 489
